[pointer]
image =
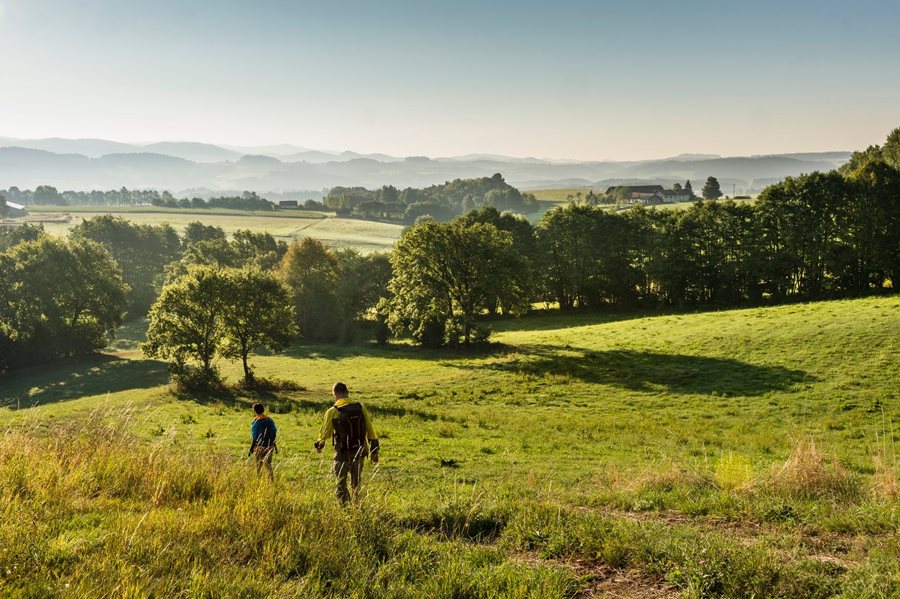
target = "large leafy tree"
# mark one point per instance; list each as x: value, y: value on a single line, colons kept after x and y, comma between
x: 711, y: 255
x: 245, y: 249
x: 590, y: 256
x: 524, y: 244
x: 799, y: 223
x: 566, y: 238
x: 186, y: 322
x: 310, y: 270
x: 257, y: 313
x: 444, y: 275
x: 142, y: 252
x: 362, y: 281
x: 258, y: 249
x: 61, y: 298
x: 868, y: 250
x: 197, y: 231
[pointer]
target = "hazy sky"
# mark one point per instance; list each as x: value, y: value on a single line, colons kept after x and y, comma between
x: 558, y: 79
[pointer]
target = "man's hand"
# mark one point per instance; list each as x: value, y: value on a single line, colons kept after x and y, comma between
x: 374, y: 446
x: 319, y: 445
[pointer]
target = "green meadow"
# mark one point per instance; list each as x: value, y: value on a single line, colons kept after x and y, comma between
x: 735, y: 453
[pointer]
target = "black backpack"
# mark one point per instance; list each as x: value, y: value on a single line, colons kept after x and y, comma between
x: 267, y: 434
x: 349, y: 428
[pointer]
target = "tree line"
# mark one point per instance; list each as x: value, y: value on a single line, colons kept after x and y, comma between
x: 816, y: 236
x: 437, y: 202
x: 49, y: 195
x: 61, y: 298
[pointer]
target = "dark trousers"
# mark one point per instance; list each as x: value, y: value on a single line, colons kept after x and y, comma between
x: 347, y: 463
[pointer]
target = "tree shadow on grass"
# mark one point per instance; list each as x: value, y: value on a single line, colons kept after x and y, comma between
x: 82, y: 377
x: 391, y: 351
x: 554, y: 319
x: 652, y: 371
x: 277, y: 402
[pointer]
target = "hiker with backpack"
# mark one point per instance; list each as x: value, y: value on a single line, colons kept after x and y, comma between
x: 262, y: 443
x: 349, y: 426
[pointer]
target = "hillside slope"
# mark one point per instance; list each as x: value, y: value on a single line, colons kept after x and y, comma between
x: 718, y: 454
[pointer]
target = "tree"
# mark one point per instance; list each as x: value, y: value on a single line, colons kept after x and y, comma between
x: 444, y: 274
x: 798, y: 219
x: 10, y: 236
x: 566, y: 238
x: 589, y: 257
x: 47, y: 194
x: 361, y: 282
x: 4, y: 209
x: 891, y: 149
x: 62, y: 298
x: 515, y: 299
x: 310, y: 270
x: 186, y: 320
x: 689, y: 189
x: 869, y: 224
x: 710, y: 255
x: 676, y: 186
x: 711, y: 190
x: 141, y: 251
x: 257, y: 313
x: 860, y: 158
x: 197, y: 231
x: 258, y: 249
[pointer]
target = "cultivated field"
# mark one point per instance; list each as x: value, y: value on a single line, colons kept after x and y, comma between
x: 738, y: 453
x: 366, y: 236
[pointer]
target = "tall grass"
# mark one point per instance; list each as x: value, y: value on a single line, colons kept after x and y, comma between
x: 89, y: 512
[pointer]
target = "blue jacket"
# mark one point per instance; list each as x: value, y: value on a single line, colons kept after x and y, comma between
x: 262, y: 432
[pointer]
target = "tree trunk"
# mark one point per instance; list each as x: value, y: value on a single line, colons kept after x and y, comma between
x: 248, y: 374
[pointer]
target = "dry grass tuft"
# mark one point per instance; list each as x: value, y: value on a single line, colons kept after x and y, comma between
x: 809, y: 473
x: 664, y: 476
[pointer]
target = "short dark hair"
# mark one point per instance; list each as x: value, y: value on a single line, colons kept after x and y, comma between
x: 259, y: 408
x: 340, y: 388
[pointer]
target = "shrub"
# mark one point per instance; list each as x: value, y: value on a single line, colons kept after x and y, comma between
x: 189, y: 377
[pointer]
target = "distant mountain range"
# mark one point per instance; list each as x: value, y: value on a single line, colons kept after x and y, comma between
x: 202, y: 169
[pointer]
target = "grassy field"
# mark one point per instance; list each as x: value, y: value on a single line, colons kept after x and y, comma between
x: 556, y: 197
x: 737, y: 453
x: 561, y: 195
x: 366, y: 236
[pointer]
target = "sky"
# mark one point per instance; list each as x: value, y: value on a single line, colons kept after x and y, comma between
x: 601, y: 80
